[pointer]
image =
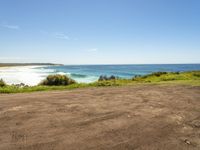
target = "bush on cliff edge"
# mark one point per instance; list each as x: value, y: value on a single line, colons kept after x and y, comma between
x: 57, y: 80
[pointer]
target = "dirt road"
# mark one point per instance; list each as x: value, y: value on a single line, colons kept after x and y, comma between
x: 150, y: 117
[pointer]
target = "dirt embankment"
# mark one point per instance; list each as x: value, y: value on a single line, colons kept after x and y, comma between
x: 142, y: 117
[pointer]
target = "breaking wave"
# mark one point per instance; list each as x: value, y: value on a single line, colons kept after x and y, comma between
x: 33, y: 75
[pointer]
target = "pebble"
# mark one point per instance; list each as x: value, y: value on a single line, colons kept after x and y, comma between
x: 187, y: 141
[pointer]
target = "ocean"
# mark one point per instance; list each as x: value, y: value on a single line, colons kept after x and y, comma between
x: 32, y: 75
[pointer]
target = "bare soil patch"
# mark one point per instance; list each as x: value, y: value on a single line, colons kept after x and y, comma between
x: 120, y: 118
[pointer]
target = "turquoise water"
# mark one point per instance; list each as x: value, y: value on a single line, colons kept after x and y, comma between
x: 89, y: 73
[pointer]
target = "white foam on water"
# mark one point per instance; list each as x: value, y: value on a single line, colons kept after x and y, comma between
x: 62, y: 73
x: 29, y: 75
x: 33, y: 75
x: 88, y: 79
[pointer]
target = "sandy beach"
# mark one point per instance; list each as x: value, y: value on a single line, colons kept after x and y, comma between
x: 22, y: 74
x: 138, y: 117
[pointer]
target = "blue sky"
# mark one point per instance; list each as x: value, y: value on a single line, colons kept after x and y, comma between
x: 100, y: 31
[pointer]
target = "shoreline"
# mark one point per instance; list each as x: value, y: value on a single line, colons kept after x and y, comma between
x: 22, y: 74
x: 28, y: 74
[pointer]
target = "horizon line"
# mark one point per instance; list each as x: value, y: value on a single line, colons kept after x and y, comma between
x: 106, y: 64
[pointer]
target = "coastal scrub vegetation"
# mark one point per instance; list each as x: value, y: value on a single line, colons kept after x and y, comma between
x: 57, y: 80
x: 2, y: 83
x: 105, y: 78
x: 169, y: 76
x: 64, y: 82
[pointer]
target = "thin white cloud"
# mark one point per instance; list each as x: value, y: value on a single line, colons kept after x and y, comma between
x: 58, y: 35
x: 14, y: 27
x: 92, y: 50
x: 61, y: 36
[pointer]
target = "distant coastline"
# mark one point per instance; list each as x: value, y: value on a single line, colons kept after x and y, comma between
x: 27, y: 64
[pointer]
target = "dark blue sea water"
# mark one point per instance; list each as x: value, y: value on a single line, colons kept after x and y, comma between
x: 89, y: 73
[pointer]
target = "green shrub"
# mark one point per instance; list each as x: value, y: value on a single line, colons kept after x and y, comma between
x: 168, y: 79
x: 158, y: 74
x: 2, y: 83
x: 57, y: 80
x: 154, y: 74
x: 196, y: 74
x: 104, y: 78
